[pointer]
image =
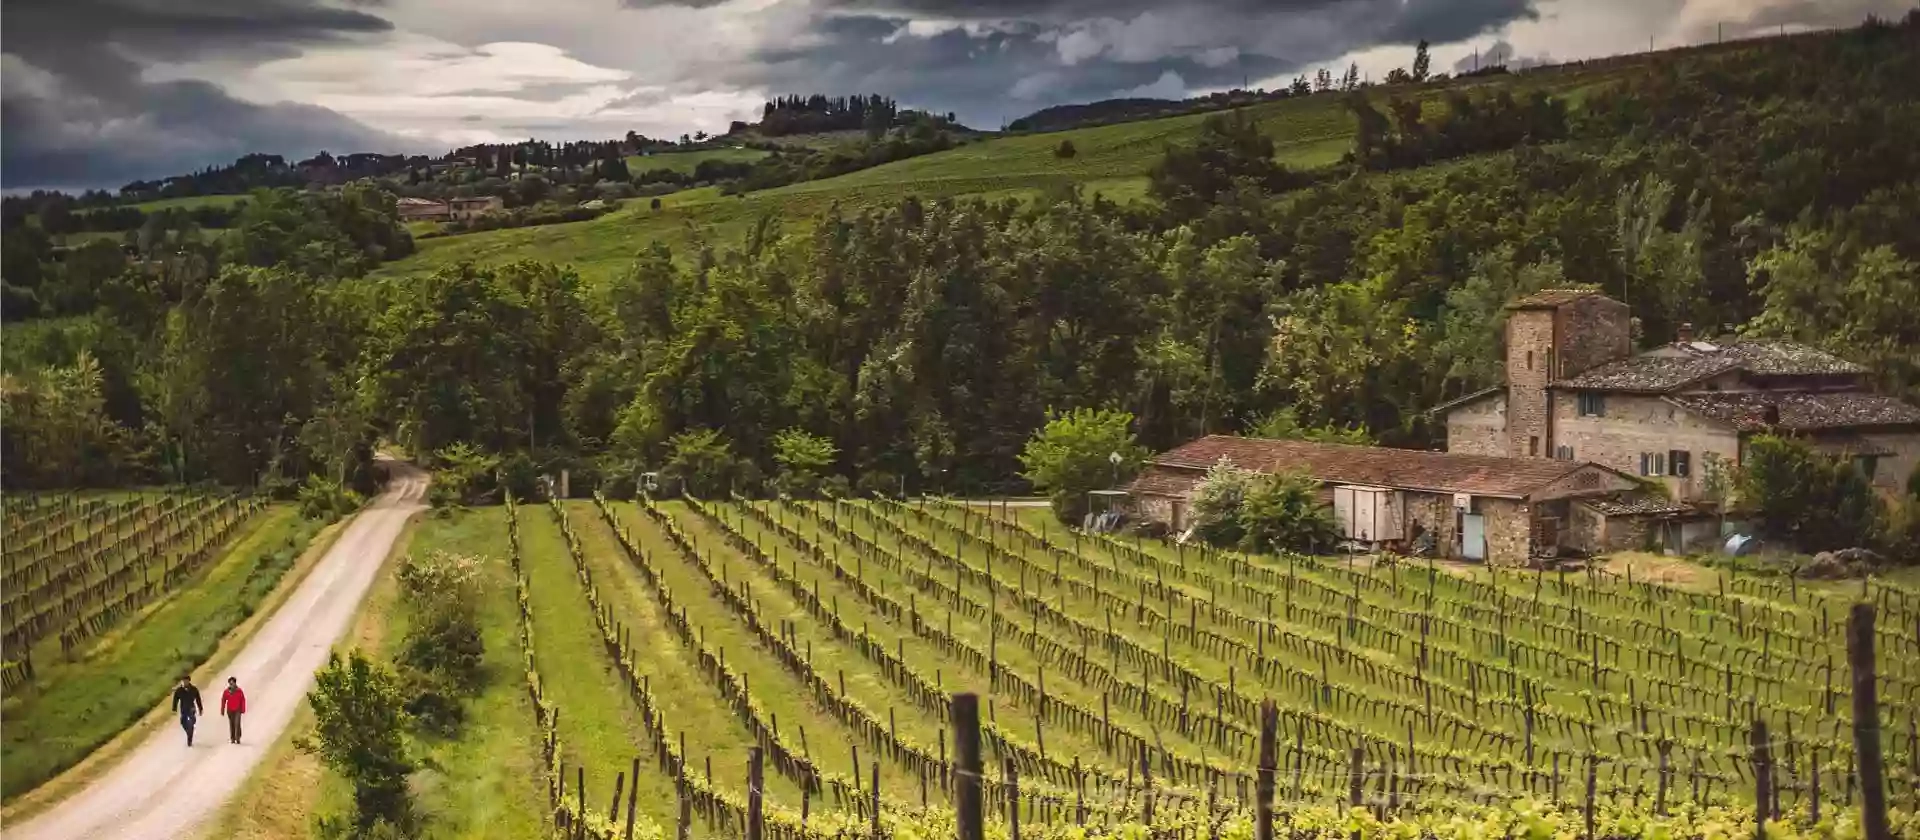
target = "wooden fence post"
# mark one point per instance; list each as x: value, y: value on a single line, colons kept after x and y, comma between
x: 755, y: 770
x: 1761, y: 756
x: 1264, y: 783
x: 1593, y: 791
x: 1866, y: 723
x: 1013, y: 799
x: 966, y: 749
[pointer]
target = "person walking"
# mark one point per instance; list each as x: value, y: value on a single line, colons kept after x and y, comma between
x: 233, y: 704
x: 186, y: 701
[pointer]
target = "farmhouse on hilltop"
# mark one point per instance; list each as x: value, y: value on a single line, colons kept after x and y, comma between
x: 412, y: 209
x: 1561, y: 456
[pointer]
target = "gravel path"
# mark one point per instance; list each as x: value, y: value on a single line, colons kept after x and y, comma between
x: 163, y: 789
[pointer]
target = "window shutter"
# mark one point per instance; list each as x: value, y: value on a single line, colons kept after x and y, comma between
x: 1643, y: 464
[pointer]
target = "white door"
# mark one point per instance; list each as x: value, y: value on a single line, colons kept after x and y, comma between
x: 1473, y: 536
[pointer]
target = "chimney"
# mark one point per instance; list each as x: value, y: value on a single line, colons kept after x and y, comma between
x: 1685, y: 334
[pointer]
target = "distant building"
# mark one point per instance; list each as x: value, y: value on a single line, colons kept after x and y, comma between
x: 429, y: 210
x: 1675, y: 414
x: 1474, y: 507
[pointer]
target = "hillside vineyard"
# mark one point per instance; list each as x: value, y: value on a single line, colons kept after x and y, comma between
x: 1122, y: 682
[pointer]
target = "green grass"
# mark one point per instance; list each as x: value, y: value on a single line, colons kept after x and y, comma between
x: 74, y: 707
x: 685, y: 162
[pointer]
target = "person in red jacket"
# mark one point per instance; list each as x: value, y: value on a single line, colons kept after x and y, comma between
x: 233, y: 704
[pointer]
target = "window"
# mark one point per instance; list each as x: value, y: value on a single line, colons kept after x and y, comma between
x: 1653, y: 463
x: 1680, y: 463
x: 1529, y: 360
x: 1551, y: 370
x: 1533, y: 446
x: 1563, y: 452
x: 1592, y: 405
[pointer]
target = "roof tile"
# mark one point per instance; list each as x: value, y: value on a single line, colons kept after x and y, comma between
x: 1408, y: 469
x: 1800, y: 410
x: 1552, y: 298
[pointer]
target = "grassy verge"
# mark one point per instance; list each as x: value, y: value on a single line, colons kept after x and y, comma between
x: 483, y: 784
x: 119, y: 684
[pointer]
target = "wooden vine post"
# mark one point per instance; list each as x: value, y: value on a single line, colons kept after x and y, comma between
x: 967, y: 804
x: 1761, y: 754
x: 1263, y: 786
x: 755, y: 780
x: 1866, y: 724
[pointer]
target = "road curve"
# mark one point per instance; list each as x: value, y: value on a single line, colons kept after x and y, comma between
x: 164, y: 789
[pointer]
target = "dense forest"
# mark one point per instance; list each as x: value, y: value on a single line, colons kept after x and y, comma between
x: 1770, y: 190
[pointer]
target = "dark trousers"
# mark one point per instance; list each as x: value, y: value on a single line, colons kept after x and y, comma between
x: 233, y: 726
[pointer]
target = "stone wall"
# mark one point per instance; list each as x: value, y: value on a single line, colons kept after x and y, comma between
x: 1529, y: 353
x: 1509, y: 531
x: 1156, y: 508
x: 1479, y: 427
x: 1591, y: 332
x: 1431, y: 513
x: 1891, y: 471
x: 1634, y: 423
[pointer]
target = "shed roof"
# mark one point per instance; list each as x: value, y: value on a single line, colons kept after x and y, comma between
x: 1405, y: 469
x: 1636, y: 503
x: 1553, y: 298
x: 1800, y: 410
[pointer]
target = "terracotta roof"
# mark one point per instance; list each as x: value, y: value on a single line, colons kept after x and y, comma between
x: 1165, y: 481
x: 1681, y: 364
x: 1800, y: 410
x: 1635, y: 503
x: 1552, y: 298
x: 1406, y: 469
x: 411, y: 201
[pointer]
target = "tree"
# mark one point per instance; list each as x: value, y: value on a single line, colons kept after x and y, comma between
x: 1351, y: 79
x: 1813, y: 501
x: 702, y: 462
x: 1230, y: 152
x: 1422, y: 62
x: 1074, y: 453
x: 1284, y: 424
x: 803, y: 458
x: 357, y: 732
x: 1283, y: 512
x: 1065, y: 151
x: 1300, y: 86
x: 1322, y: 80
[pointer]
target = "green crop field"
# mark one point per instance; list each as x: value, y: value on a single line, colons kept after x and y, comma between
x: 685, y: 162
x: 1123, y: 680
x: 1112, y: 160
x: 189, y: 202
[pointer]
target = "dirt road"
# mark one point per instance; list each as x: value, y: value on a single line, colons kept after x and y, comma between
x: 163, y: 789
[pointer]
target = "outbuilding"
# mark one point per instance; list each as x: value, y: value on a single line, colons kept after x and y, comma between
x: 1499, y: 510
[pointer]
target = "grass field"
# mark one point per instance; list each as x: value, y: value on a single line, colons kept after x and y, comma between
x: 754, y: 622
x: 685, y: 162
x: 77, y: 701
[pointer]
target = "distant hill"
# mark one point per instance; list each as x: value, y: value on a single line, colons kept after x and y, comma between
x: 1061, y: 117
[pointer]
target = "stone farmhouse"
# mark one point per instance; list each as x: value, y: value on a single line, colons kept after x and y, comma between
x: 1678, y: 414
x: 1568, y: 455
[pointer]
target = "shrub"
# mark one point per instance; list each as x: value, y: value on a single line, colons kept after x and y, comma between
x: 702, y: 462
x: 1217, y: 500
x: 1065, y: 151
x: 358, y: 716
x: 325, y: 499
x: 443, y: 640
x: 465, y: 476
x: 802, y: 457
x: 1813, y: 501
x: 877, y: 482
x: 1282, y: 512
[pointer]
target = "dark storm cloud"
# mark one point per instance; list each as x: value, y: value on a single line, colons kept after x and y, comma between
x: 78, y: 112
x: 994, y: 60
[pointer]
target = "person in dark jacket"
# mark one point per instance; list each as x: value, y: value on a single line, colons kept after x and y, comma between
x: 233, y: 704
x: 186, y: 701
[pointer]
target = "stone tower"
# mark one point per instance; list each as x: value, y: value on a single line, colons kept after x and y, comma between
x: 1554, y: 335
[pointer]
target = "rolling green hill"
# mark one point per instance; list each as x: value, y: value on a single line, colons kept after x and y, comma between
x: 1112, y: 160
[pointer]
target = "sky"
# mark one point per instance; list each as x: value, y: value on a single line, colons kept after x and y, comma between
x: 95, y: 93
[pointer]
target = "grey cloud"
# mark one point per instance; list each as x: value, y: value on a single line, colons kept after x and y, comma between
x: 1500, y: 52
x: 86, y: 117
